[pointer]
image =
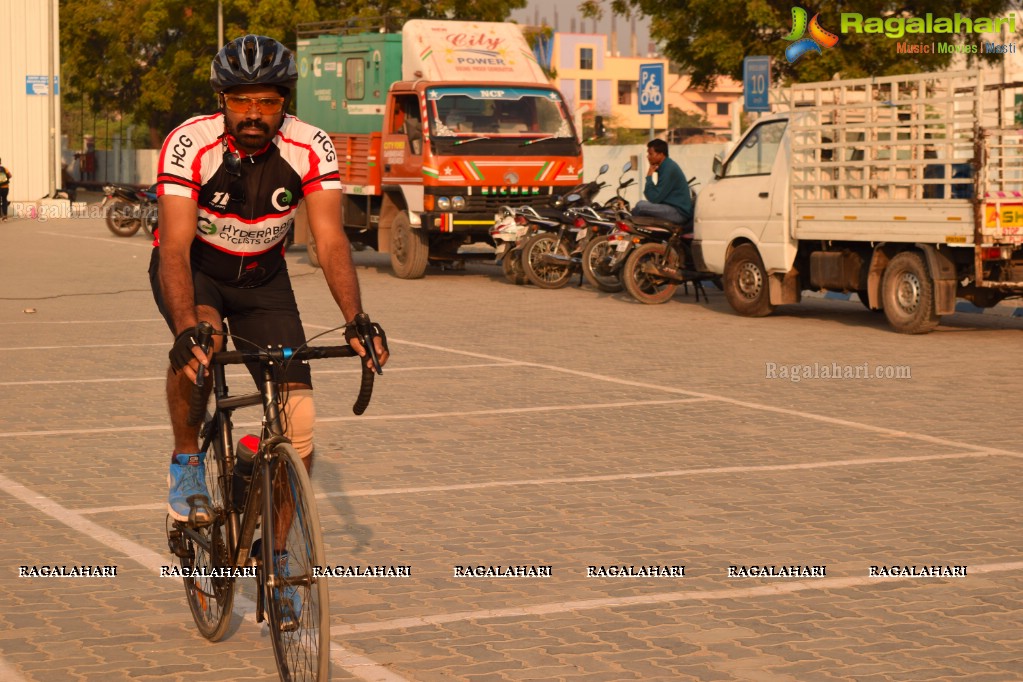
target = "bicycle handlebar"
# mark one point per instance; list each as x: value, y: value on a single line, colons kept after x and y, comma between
x: 283, y: 354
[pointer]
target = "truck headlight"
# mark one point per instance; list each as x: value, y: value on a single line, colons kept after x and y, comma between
x: 458, y: 203
x: 443, y: 204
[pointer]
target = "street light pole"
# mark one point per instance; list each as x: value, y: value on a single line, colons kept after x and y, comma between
x: 220, y: 23
x: 51, y: 97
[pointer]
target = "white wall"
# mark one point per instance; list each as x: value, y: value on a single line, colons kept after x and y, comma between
x: 696, y: 160
x: 25, y: 134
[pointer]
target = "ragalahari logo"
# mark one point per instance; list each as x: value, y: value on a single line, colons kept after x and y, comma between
x: 819, y: 37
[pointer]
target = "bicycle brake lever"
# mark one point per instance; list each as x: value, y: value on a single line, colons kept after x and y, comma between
x: 205, y: 336
x: 364, y: 328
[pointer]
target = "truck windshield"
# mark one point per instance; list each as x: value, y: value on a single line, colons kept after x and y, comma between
x: 474, y: 112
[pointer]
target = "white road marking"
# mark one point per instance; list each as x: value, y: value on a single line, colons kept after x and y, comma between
x: 356, y: 664
x: 605, y: 478
x: 771, y: 589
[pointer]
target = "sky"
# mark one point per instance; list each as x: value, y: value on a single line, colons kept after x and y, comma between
x: 564, y: 11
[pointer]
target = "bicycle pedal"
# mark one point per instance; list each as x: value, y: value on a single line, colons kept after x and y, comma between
x: 176, y: 543
x: 199, y: 512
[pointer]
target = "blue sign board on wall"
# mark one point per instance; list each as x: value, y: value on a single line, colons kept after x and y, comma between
x: 39, y: 85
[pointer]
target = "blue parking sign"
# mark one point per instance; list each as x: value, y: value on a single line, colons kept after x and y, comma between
x: 756, y: 83
x: 651, y: 88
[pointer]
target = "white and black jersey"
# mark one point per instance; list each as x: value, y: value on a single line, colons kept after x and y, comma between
x: 240, y: 240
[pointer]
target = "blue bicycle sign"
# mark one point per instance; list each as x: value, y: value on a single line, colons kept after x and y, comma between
x: 651, y: 88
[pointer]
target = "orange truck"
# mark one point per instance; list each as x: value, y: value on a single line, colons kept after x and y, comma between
x: 435, y: 128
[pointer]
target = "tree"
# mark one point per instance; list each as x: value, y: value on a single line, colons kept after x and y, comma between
x: 150, y: 59
x: 710, y: 38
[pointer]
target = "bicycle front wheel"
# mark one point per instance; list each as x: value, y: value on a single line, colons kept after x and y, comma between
x: 297, y: 602
x: 205, y: 549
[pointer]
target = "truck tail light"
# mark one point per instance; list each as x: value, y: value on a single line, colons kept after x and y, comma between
x: 996, y: 253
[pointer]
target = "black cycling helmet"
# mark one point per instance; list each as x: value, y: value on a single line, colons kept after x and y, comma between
x: 253, y: 60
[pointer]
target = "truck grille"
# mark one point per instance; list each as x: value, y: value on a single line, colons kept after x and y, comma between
x: 478, y: 203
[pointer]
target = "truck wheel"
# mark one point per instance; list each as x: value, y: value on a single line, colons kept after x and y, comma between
x: 310, y: 250
x: 908, y: 295
x: 746, y: 284
x: 410, y: 249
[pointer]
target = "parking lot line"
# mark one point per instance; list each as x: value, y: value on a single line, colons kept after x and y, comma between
x: 360, y: 666
x: 605, y: 478
x: 240, y: 375
x: 898, y: 433
x: 770, y: 589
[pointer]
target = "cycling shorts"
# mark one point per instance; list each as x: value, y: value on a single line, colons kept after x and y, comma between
x: 263, y: 315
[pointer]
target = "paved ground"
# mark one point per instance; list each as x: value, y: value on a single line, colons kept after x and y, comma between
x: 523, y: 427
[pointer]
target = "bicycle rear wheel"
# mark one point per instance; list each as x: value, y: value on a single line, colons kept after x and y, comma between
x: 210, y: 598
x: 297, y: 602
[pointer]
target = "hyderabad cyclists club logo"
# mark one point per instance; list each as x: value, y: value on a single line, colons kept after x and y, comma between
x: 819, y: 37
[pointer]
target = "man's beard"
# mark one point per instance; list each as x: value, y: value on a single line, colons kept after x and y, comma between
x: 251, y: 136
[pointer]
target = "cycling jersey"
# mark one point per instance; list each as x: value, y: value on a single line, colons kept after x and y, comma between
x: 240, y: 240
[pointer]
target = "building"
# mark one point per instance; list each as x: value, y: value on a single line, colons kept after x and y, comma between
x: 30, y: 131
x: 594, y: 81
x: 717, y: 106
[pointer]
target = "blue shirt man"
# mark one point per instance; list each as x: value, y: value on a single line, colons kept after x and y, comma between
x: 668, y: 198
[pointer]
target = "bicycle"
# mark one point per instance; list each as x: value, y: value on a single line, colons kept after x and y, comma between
x: 289, y: 595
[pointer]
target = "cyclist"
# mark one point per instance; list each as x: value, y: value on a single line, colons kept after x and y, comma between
x: 228, y: 187
x: 668, y: 197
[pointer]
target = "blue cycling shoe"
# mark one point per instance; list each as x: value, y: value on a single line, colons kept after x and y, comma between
x: 189, y: 500
x: 288, y: 599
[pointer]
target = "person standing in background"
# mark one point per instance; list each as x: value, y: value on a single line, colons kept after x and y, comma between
x: 5, y: 188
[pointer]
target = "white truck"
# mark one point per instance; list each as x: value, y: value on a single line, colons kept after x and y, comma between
x: 907, y: 190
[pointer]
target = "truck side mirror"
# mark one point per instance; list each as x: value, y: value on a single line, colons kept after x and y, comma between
x: 718, y: 166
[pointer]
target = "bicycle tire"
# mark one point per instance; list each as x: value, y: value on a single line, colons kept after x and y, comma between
x: 301, y: 642
x: 210, y: 599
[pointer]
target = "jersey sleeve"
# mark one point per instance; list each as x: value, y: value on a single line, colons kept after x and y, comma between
x: 179, y: 168
x: 323, y: 171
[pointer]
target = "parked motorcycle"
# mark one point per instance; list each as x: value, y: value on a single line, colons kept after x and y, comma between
x: 514, y: 227
x: 127, y: 209
x: 550, y: 259
x: 655, y: 268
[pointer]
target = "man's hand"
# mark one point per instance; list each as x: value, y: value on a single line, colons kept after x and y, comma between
x: 187, y: 355
x: 379, y: 344
x: 652, y: 168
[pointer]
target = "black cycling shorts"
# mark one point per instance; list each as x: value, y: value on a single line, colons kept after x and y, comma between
x: 265, y: 315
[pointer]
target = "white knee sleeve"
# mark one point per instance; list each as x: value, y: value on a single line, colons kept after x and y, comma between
x: 300, y: 414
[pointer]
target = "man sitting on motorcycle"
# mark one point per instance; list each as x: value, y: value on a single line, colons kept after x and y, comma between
x: 667, y: 197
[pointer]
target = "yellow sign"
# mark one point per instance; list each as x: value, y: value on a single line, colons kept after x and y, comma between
x: 1003, y: 215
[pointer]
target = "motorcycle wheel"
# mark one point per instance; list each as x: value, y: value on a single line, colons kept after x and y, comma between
x: 149, y: 219
x: 511, y: 264
x: 545, y: 275
x: 646, y: 287
x: 122, y: 217
x: 595, y: 265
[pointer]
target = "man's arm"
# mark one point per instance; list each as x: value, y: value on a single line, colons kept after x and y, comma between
x: 177, y: 217
x: 323, y: 209
x: 667, y: 179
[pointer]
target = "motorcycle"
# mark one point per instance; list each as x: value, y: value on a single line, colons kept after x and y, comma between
x: 127, y: 209
x: 655, y: 268
x: 513, y: 227
x: 550, y: 259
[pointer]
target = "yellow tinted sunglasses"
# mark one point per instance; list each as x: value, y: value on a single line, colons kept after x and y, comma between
x: 242, y: 105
